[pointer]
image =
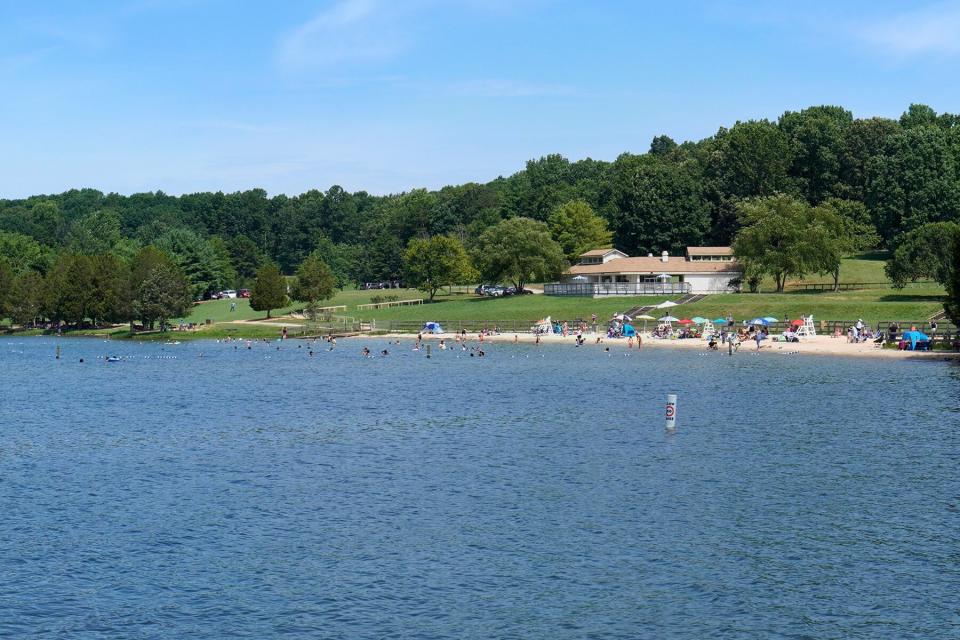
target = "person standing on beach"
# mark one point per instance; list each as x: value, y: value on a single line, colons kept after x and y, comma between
x: 758, y: 336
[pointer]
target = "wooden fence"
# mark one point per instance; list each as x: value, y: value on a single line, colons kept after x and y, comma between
x: 392, y: 303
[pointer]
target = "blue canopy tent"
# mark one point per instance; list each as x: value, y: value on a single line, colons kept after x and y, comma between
x: 432, y: 327
x: 914, y: 337
x: 629, y: 331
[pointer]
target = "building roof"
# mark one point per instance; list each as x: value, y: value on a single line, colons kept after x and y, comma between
x: 709, y: 251
x: 601, y: 252
x: 655, y: 265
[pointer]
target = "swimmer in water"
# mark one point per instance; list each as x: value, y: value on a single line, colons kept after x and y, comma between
x: 365, y: 353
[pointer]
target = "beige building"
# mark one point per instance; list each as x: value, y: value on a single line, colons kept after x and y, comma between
x: 609, y: 272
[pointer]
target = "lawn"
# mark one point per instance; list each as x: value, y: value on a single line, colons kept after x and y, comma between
x: 883, y: 303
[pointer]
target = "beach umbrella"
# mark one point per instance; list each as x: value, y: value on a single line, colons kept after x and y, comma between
x: 664, y: 276
x: 796, y: 323
x: 665, y: 305
x: 699, y: 320
x: 644, y: 317
x: 760, y: 322
x: 668, y: 319
x: 770, y: 319
x: 685, y: 321
x: 719, y: 321
x: 580, y: 278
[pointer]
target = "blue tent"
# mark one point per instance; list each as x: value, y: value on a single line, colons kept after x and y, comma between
x: 432, y: 327
x: 629, y: 331
x: 914, y: 337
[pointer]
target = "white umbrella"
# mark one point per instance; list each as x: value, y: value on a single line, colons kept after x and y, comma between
x: 580, y: 278
x: 668, y: 319
x: 664, y: 276
x: 665, y: 305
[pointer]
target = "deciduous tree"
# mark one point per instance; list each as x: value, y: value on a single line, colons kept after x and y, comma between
x: 436, y: 262
x: 520, y: 250
x: 777, y: 238
x: 577, y: 228
x: 925, y: 252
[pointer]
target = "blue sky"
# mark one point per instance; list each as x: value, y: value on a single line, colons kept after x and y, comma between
x: 195, y: 95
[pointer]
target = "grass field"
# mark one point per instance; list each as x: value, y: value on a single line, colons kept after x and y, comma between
x: 883, y: 303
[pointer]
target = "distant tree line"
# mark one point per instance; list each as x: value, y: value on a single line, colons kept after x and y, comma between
x: 793, y: 196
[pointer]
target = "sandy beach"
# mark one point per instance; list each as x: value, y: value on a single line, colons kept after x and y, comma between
x: 816, y: 345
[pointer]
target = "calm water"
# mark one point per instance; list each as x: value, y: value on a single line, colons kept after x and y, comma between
x: 530, y: 494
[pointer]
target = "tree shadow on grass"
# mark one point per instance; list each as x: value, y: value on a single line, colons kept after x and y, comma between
x: 916, y: 297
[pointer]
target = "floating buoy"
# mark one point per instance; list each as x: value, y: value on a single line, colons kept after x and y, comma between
x: 671, y: 412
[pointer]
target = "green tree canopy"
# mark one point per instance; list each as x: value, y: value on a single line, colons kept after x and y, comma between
x: 6, y: 286
x: 269, y: 290
x: 846, y: 230
x: 314, y: 281
x: 26, y: 298
x: 245, y: 257
x: 660, y: 206
x: 925, y: 252
x: 163, y: 294
x: 577, y: 228
x: 197, y: 259
x: 23, y: 253
x: 952, y: 304
x: 520, y: 250
x: 781, y: 237
x: 437, y: 262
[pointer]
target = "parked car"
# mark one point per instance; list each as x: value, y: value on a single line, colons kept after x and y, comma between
x: 496, y: 292
x: 229, y: 293
x: 483, y: 289
x: 525, y: 292
x: 243, y: 293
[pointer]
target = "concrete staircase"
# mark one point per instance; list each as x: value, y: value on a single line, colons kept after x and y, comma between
x: 686, y: 299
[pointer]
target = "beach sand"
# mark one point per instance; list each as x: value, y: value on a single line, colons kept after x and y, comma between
x: 816, y: 345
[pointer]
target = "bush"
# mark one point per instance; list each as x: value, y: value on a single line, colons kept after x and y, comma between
x: 387, y: 298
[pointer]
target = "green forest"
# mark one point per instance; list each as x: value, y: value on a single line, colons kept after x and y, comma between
x: 763, y: 186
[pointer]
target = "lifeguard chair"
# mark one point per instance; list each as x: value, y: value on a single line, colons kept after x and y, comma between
x: 807, y: 330
x: 708, y: 329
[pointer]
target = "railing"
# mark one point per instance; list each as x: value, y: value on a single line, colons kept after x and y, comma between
x: 392, y: 303
x: 848, y: 286
x: 615, y: 288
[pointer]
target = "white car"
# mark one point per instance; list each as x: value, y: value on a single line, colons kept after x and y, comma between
x: 229, y: 293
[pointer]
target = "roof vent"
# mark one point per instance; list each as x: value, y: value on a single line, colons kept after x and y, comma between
x: 664, y: 256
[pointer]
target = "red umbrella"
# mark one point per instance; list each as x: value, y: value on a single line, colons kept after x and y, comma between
x: 796, y: 323
x: 686, y: 321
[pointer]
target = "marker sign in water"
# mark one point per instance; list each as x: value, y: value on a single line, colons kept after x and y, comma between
x: 671, y: 414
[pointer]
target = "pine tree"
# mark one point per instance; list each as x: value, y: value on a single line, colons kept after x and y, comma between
x: 269, y: 290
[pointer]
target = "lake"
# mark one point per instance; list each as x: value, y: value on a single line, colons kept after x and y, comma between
x: 206, y: 491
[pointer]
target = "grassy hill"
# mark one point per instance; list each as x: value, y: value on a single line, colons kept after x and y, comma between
x: 880, y: 303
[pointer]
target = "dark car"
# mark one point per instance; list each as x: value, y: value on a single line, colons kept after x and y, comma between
x: 243, y: 293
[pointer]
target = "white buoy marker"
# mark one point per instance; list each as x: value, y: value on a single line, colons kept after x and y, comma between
x: 671, y: 413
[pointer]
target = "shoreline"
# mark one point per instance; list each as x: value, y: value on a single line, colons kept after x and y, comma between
x: 817, y: 345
